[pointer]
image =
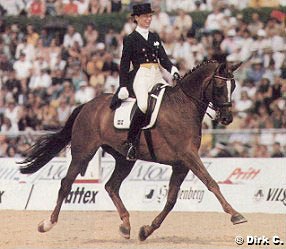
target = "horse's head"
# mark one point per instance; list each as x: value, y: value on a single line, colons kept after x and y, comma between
x: 222, y: 89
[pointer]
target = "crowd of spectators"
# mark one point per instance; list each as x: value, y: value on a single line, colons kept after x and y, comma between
x: 43, y: 78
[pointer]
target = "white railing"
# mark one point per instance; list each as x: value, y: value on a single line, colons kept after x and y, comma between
x: 248, y: 138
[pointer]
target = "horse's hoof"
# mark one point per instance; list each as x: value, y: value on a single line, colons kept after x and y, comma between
x: 237, y: 219
x: 143, y: 233
x: 124, y: 231
x: 45, y: 226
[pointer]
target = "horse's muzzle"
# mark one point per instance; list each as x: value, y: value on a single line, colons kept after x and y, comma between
x: 225, y: 116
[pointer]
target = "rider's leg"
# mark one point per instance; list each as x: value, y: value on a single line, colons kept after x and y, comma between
x: 136, y: 124
x: 141, y: 86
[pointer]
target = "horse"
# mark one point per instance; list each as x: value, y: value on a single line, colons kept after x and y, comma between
x: 176, y: 142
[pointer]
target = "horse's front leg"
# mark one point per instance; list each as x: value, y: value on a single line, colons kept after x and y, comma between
x: 121, y: 171
x: 198, y: 168
x: 178, y: 175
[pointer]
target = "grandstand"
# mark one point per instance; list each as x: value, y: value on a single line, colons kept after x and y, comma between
x: 49, y: 67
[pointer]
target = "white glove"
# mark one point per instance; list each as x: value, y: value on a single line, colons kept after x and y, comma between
x: 123, y: 93
x: 174, y: 70
x: 175, y: 73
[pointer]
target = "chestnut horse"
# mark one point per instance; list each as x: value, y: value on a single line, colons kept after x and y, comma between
x: 176, y: 141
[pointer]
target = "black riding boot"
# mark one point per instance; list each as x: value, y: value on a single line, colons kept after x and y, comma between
x: 137, y: 123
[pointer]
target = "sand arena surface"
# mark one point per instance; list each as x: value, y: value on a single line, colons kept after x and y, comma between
x: 100, y: 230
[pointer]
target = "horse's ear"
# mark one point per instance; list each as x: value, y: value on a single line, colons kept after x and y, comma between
x: 235, y: 66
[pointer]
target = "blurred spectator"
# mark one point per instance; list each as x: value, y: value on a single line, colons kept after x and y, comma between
x: 32, y: 35
x: 256, y: 71
x: 13, y: 85
x: 90, y: 36
x: 51, y: 7
x: 255, y: 24
x: 183, y: 21
x: 112, y: 82
x: 63, y: 111
x: 116, y: 5
x: 13, y: 7
x: 84, y: 94
x: 214, y: 20
x: 70, y: 8
x: 94, y: 7
x: 104, y: 6
x: 82, y: 6
x: 37, y: 8
x: 3, y: 145
x: 276, y: 150
x: 71, y: 36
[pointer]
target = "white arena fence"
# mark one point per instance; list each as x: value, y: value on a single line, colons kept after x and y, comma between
x: 249, y: 184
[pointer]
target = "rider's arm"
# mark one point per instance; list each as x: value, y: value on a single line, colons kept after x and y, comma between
x: 125, y: 62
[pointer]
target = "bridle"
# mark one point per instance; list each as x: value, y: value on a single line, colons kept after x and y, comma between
x: 201, y: 104
x: 228, y: 81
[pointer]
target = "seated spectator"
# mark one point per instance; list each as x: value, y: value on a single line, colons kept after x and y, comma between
x: 22, y: 69
x: 112, y: 82
x: 84, y: 94
x: 32, y: 35
x: 255, y: 24
x: 68, y: 93
x: 71, y: 36
x: 94, y: 7
x: 51, y: 9
x: 3, y: 145
x: 71, y: 8
x: 13, y: 85
x: 37, y: 8
x: 90, y: 36
x: 40, y: 83
x: 256, y: 71
x: 82, y: 7
x: 63, y: 111
x: 104, y: 6
x: 244, y: 104
x: 276, y: 150
x: 116, y: 5
x: 49, y: 117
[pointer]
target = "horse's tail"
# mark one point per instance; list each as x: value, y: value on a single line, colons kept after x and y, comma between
x: 48, y: 146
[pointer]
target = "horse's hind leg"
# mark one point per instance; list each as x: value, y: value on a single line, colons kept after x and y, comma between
x: 200, y: 171
x: 66, y: 184
x: 178, y: 175
x: 121, y: 171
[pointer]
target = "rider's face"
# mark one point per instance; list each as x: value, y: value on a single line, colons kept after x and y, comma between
x: 144, y: 20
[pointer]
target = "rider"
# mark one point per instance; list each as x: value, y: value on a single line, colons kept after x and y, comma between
x: 144, y: 50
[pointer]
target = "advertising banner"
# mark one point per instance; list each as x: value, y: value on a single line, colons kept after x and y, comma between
x: 248, y: 184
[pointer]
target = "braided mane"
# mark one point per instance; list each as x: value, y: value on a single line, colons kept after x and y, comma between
x: 198, y: 66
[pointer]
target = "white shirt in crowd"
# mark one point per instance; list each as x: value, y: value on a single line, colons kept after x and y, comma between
x: 69, y: 40
x: 84, y: 94
x: 43, y: 80
x: 22, y: 69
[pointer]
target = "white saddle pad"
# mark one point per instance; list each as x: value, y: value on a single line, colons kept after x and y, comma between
x: 123, y: 113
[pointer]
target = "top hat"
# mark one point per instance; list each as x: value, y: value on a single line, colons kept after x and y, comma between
x: 141, y: 9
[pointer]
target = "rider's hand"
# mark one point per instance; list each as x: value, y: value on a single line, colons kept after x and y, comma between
x: 123, y: 93
x: 175, y: 73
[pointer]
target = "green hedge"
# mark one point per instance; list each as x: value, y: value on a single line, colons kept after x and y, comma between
x: 116, y: 20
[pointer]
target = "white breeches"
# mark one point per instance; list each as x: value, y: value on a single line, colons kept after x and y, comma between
x: 143, y: 83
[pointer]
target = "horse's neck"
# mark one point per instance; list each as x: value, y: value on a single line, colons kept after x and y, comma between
x: 180, y: 103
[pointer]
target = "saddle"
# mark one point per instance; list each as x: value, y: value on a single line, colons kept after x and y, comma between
x: 124, y: 113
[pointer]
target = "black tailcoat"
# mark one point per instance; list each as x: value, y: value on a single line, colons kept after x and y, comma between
x: 138, y: 51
